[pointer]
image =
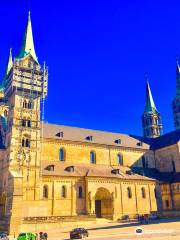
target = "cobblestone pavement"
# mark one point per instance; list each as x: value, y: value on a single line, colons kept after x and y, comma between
x: 158, y: 230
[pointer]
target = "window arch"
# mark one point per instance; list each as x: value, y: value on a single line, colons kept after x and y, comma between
x: 143, y: 192
x: 29, y: 123
x: 129, y: 192
x: 23, y: 122
x: 45, y: 191
x: 63, y: 192
x: 62, y: 154
x: 30, y: 105
x: 92, y: 157
x: 27, y: 143
x: 23, y: 142
x: 80, y: 193
x: 120, y: 159
x: 5, y: 113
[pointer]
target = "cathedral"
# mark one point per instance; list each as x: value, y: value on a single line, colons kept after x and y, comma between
x: 54, y: 174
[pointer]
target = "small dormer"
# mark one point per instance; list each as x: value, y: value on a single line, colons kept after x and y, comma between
x: 89, y: 138
x: 117, y: 141
x: 50, y: 168
x: 60, y: 134
x: 69, y: 169
x: 115, y: 171
x: 129, y: 172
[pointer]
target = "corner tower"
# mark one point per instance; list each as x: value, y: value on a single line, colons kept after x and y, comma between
x: 176, y: 101
x: 25, y: 85
x: 151, y: 118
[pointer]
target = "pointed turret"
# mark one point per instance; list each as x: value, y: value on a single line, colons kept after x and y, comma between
x: 176, y: 101
x: 28, y: 43
x: 9, y: 66
x: 9, y: 62
x: 150, y: 106
x: 151, y: 118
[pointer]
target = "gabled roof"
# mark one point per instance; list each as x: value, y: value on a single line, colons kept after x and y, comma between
x: 91, y: 136
x: 28, y: 43
x: 88, y: 170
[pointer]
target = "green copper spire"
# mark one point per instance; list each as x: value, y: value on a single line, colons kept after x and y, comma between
x: 150, y: 106
x: 28, y: 43
x: 8, y: 69
x: 9, y: 62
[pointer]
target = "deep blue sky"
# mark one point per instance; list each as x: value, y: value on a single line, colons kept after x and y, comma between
x: 98, y: 53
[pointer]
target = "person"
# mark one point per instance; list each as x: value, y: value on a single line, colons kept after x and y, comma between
x: 45, y: 236
x: 36, y: 236
x: 41, y: 236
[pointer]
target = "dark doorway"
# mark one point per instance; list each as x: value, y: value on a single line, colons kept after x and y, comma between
x: 98, y: 208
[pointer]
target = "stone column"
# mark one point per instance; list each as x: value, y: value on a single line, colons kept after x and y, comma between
x: 73, y: 200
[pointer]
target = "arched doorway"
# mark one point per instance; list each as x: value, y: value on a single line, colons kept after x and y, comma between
x: 103, y: 203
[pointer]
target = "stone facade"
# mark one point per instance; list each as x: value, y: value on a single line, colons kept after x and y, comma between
x: 54, y: 173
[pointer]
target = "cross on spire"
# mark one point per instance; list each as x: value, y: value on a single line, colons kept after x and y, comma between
x: 28, y: 43
x: 150, y: 105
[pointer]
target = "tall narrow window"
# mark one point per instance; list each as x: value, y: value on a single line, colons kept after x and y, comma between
x: 63, y: 192
x: 92, y: 157
x: 61, y: 154
x: 27, y: 143
x: 45, y: 191
x: 143, y: 192
x: 129, y: 192
x: 24, y: 104
x: 167, y: 203
x: 80, y: 192
x: 30, y: 105
x: 29, y: 123
x: 23, y: 142
x: 143, y: 162
x: 23, y: 122
x: 120, y: 159
x: 173, y: 166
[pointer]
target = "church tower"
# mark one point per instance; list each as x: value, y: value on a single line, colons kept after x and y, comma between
x: 25, y: 85
x: 151, y: 118
x: 176, y: 101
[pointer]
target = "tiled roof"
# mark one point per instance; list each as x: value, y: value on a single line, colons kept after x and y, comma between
x: 91, y: 136
x: 90, y: 170
x: 166, y: 140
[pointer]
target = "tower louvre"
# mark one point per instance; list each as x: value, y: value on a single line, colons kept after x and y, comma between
x: 151, y: 118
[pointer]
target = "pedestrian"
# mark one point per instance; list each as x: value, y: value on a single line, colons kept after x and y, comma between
x: 45, y: 236
x: 41, y: 236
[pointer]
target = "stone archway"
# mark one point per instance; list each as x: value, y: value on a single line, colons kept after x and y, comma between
x: 103, y: 203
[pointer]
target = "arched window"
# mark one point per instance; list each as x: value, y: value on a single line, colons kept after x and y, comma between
x: 45, y: 191
x: 173, y: 166
x: 120, y: 159
x: 63, y: 192
x: 30, y: 105
x: 92, y: 157
x: 143, y: 192
x: 29, y: 123
x: 23, y: 142
x: 5, y: 113
x: 80, y: 192
x: 24, y: 104
x: 27, y: 143
x: 23, y: 122
x: 61, y: 154
x: 129, y: 192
